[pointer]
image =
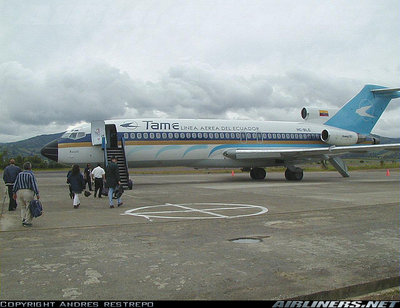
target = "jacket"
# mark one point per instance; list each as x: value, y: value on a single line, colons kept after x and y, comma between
x: 26, y: 180
x: 10, y: 173
x: 112, y: 175
x: 77, y: 182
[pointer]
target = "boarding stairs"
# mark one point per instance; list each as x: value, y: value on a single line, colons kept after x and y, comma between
x: 119, y: 153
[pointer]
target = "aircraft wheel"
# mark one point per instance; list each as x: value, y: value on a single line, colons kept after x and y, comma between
x: 294, y: 175
x: 258, y: 173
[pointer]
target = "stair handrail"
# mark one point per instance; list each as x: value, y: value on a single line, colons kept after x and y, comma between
x: 104, y: 146
x: 126, y: 161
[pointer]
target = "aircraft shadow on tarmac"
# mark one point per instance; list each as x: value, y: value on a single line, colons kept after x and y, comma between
x: 237, y: 178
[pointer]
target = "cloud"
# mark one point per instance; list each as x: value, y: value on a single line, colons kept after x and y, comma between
x: 63, y: 96
x: 188, y: 91
x: 66, y: 62
x: 35, y: 101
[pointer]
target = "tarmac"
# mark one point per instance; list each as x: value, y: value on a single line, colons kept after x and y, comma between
x: 208, y: 237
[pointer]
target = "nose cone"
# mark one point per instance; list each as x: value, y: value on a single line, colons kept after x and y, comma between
x: 50, y: 150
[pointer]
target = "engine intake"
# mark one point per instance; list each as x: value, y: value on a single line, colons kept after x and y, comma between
x: 317, y: 115
x: 339, y: 137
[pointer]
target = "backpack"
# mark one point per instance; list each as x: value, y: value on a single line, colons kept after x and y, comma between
x: 36, y: 208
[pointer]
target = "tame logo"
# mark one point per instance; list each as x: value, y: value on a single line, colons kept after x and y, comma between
x: 365, y: 109
x: 132, y: 125
x: 363, y: 112
x: 161, y: 125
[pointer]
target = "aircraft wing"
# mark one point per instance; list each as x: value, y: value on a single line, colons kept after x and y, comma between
x: 296, y: 154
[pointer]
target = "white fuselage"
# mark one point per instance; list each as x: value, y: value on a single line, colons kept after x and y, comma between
x: 195, y: 143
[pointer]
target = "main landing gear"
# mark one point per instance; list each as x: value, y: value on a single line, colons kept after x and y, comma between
x: 291, y: 174
x: 294, y: 174
x: 258, y: 173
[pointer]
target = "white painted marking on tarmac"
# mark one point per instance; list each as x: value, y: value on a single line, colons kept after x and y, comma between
x: 195, y: 211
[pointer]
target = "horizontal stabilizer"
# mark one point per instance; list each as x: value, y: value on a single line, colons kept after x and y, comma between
x: 394, y: 91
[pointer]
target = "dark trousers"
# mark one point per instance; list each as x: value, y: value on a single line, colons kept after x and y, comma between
x: 13, y: 204
x: 98, y: 186
x: 89, y: 182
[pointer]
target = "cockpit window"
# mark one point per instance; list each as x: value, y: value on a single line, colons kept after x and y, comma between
x: 74, y: 135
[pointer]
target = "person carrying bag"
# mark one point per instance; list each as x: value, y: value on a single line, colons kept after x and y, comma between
x: 25, y: 189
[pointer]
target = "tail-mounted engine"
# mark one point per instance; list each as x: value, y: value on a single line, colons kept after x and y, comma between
x: 335, y: 136
x: 340, y: 137
x: 317, y: 115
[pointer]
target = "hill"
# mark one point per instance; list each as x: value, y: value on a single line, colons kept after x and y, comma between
x: 28, y: 147
x: 381, y: 154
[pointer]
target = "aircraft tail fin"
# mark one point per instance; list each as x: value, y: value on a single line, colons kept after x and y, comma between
x: 362, y: 112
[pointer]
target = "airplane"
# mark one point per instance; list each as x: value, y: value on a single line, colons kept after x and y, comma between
x: 251, y: 145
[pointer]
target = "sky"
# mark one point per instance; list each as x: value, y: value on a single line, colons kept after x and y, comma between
x: 66, y: 62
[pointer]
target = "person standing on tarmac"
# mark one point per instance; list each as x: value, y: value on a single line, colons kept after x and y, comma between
x: 113, y: 180
x: 98, y: 177
x: 75, y: 179
x: 87, y: 177
x: 9, y: 177
x: 25, y: 189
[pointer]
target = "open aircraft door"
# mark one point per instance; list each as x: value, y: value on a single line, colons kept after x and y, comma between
x: 98, y: 130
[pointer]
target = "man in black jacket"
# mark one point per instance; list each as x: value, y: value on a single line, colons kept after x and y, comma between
x: 113, y: 180
x: 9, y: 176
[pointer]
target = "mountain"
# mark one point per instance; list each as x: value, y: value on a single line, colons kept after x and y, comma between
x: 388, y: 140
x: 28, y: 147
